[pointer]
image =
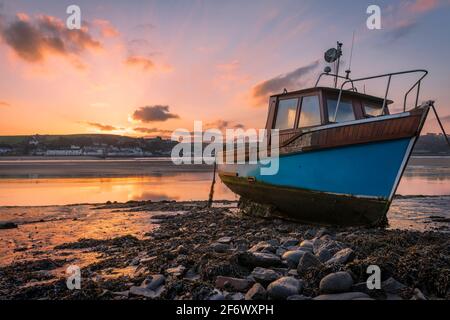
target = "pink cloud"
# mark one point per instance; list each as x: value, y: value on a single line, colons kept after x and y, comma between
x: 422, y: 6
x: 107, y: 30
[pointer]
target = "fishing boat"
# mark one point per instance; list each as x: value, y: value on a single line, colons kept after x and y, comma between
x: 342, y: 152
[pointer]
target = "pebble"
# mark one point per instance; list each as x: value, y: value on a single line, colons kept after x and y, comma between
x: 336, y: 282
x: 284, y: 287
x: 280, y: 251
x: 392, y: 286
x: 264, y: 276
x: 177, y: 271
x: 309, y: 234
x: 293, y: 257
x: 153, y: 282
x: 307, y: 245
x: 225, y: 240
x: 233, y: 284
x: 257, y: 292
x: 324, y: 255
x: 262, y: 246
x: 236, y: 296
x: 289, y: 242
x: 307, y: 262
x: 151, y: 287
x: 343, y: 296
x: 220, y: 247
x: 342, y: 257
x: 418, y: 295
x: 298, y: 297
x: 258, y: 259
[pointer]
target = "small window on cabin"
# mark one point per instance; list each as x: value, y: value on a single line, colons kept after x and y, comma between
x: 287, y: 110
x: 310, y: 112
x: 373, y: 110
x: 345, y: 111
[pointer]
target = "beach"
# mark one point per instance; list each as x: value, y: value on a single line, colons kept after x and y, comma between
x: 186, y: 250
x: 148, y: 233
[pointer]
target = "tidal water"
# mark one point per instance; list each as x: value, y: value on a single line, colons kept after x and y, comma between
x: 424, y: 188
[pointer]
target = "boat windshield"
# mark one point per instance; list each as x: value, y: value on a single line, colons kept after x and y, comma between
x: 372, y: 109
x: 345, y: 111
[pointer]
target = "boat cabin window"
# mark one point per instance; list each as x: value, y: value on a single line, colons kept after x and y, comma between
x: 286, y: 112
x: 310, y: 112
x: 345, y: 111
x: 373, y: 109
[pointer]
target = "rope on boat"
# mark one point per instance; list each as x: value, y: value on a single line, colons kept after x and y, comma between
x: 440, y: 124
x: 211, y: 191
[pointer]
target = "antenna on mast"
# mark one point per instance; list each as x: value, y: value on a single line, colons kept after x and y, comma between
x: 351, y: 57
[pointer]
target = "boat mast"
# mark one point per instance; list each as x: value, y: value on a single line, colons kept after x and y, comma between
x: 339, y: 54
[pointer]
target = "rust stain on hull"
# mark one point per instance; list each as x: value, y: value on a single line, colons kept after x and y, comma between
x: 312, y: 207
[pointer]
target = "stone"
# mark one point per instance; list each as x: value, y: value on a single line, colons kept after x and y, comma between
x: 361, y: 287
x: 257, y: 292
x: 309, y: 234
x: 258, y: 259
x: 8, y: 225
x: 321, y: 232
x: 289, y: 242
x: 293, y: 257
x: 284, y: 287
x: 418, y: 295
x: 192, y: 275
x: 307, y: 262
x: 342, y: 257
x: 176, y: 271
x: 392, y: 286
x: 220, y: 247
x: 298, y: 297
x: 151, y: 287
x: 280, y: 251
x: 307, y: 245
x: 153, y: 282
x: 336, y: 282
x: 273, y: 242
x: 225, y: 240
x: 233, y: 284
x: 343, y: 296
x: 324, y: 255
x: 236, y: 296
x: 264, y: 276
x: 216, y: 296
x: 262, y: 246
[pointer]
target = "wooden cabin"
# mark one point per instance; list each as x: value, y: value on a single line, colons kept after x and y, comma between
x: 293, y: 112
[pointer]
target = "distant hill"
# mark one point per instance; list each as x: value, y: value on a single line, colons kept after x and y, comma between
x: 429, y: 144
x: 432, y: 144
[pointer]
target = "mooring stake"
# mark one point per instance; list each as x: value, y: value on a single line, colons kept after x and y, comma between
x: 211, y: 191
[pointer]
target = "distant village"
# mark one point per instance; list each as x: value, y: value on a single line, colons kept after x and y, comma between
x: 103, y: 146
x: 100, y: 146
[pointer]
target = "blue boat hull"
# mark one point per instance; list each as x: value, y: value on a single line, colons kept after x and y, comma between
x: 347, y: 185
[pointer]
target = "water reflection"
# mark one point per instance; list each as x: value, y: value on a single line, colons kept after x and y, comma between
x: 60, y: 191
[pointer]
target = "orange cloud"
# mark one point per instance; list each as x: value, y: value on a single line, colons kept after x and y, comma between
x: 107, y: 30
x: 422, y: 6
x: 103, y: 127
x: 34, y: 39
x: 140, y: 61
x: 4, y: 104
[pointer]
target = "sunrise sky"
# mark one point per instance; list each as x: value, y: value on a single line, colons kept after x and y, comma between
x: 145, y: 68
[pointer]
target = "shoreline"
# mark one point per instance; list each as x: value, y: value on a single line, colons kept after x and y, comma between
x: 196, y: 252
